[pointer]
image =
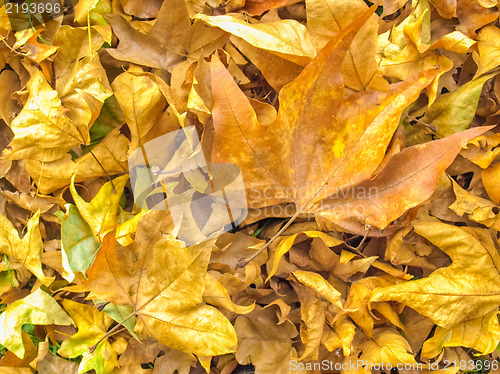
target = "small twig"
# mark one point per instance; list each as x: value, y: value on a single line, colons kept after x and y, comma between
x: 105, y: 172
x: 432, y: 128
x: 357, y: 248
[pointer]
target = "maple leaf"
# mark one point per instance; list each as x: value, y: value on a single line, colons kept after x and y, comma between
x: 481, y: 334
x: 107, y: 158
x: 359, y: 68
x: 42, y: 130
x: 165, y: 288
x: 295, y: 170
x: 488, y: 49
x: 81, y: 81
x: 26, y: 251
x: 445, y: 296
x: 92, y: 326
x: 388, y: 346
x: 259, y: 336
x: 38, y: 308
x: 141, y: 102
x: 287, y: 38
x: 394, y: 186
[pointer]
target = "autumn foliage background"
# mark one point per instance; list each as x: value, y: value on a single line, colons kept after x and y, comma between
x: 367, y: 143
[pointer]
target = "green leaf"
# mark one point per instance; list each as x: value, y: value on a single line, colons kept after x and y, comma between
x: 110, y: 117
x: 79, y: 246
x: 453, y: 112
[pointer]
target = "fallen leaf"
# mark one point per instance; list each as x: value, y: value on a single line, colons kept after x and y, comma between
x: 163, y: 47
x: 26, y: 251
x: 445, y: 296
x: 170, y: 302
x: 78, y: 244
x: 326, y: 18
x: 285, y: 245
x: 490, y: 180
x: 92, y: 326
x: 141, y: 102
x: 481, y: 334
x: 379, y: 201
x: 320, y: 285
x: 293, y: 171
x: 287, y: 38
x: 38, y: 308
x: 100, y: 213
x: 263, y: 343
x: 387, y: 346
x: 453, y: 112
x: 42, y: 130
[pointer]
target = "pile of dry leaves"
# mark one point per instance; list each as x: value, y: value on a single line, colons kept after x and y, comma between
x: 365, y: 138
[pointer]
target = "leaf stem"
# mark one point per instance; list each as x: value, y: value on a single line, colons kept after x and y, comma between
x: 111, y: 332
x: 105, y: 172
x: 243, y: 262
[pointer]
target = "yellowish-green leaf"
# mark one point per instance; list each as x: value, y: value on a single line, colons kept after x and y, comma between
x: 100, y: 213
x: 92, y: 326
x: 453, y: 112
x: 38, y: 308
x: 103, y: 359
x: 78, y: 244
